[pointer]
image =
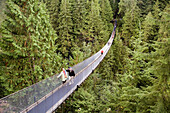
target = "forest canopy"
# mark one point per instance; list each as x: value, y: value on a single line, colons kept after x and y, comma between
x: 39, y: 37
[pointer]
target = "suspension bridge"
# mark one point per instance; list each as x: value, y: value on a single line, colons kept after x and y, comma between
x: 46, y: 95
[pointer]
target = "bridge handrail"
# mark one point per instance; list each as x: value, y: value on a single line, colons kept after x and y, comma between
x: 33, y: 95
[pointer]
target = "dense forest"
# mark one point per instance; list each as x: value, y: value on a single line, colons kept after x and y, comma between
x: 39, y: 37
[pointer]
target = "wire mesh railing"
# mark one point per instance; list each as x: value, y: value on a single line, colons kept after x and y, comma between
x: 20, y: 100
x: 23, y: 99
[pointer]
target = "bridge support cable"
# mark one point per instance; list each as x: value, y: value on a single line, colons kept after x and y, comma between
x: 45, y: 96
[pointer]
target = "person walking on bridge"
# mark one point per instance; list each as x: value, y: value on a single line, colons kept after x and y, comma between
x: 64, y: 75
x: 71, y: 74
x: 70, y: 71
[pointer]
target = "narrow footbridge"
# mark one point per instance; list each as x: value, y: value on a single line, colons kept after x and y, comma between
x: 46, y: 95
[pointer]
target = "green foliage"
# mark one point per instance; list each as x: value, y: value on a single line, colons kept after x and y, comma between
x: 161, y: 64
x: 27, y: 45
x: 156, y: 10
x: 2, y: 10
x: 80, y: 54
x: 144, y: 85
x: 149, y: 27
x: 164, y: 25
x: 86, y: 101
x: 133, y: 77
x: 114, y: 5
x: 114, y: 62
x: 96, y: 31
x: 65, y: 40
x: 53, y: 10
x: 79, y: 16
x: 107, y: 15
x: 131, y: 19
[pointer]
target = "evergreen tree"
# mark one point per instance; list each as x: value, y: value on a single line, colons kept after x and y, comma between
x: 80, y: 54
x: 148, y: 6
x: 53, y: 10
x: 138, y: 86
x: 132, y: 78
x: 96, y: 31
x: 114, y: 6
x: 149, y: 27
x: 156, y: 14
x: 65, y: 40
x: 107, y: 15
x: 160, y: 68
x: 2, y: 9
x: 129, y: 82
x: 27, y: 45
x: 130, y: 20
x: 156, y: 11
x: 79, y: 16
x: 115, y: 61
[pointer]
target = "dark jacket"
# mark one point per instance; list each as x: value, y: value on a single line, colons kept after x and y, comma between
x: 71, y: 73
